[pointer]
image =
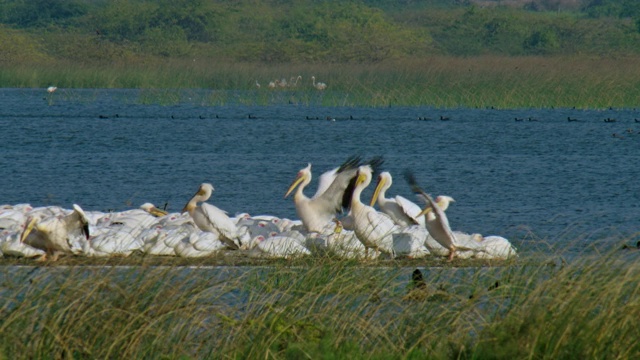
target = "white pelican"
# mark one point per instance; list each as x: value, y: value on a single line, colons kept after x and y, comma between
x: 438, y: 225
x: 496, y: 247
x: 410, y: 242
x: 153, y: 210
x: 111, y: 241
x: 51, y: 89
x: 373, y: 228
x: 199, y: 244
x: 401, y: 210
x: 318, y: 85
x: 258, y: 227
x: 53, y: 233
x: 285, y: 245
x: 11, y: 219
x: 435, y: 218
x: 335, y: 241
x: 11, y: 245
x: 210, y: 218
x: 318, y: 211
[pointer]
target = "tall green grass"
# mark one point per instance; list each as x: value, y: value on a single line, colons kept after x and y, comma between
x: 322, y: 308
x: 448, y: 82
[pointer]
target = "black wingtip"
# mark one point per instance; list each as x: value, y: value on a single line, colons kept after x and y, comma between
x: 348, y: 194
x: 411, y: 180
x: 376, y: 164
x: 352, y: 162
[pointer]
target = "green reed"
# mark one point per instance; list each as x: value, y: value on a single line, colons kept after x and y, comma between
x: 536, y: 306
x: 499, y: 82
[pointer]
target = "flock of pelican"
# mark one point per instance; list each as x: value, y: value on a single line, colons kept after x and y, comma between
x: 333, y: 222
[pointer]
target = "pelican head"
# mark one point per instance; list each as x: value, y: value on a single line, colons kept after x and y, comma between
x: 153, y: 210
x: 303, y: 174
x: 384, y: 182
x: 442, y: 201
x: 364, y: 176
x: 204, y: 193
x: 29, y: 228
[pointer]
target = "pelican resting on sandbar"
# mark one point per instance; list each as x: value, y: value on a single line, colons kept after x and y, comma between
x: 53, y: 234
x: 210, y: 218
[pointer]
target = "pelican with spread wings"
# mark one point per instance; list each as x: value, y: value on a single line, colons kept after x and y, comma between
x: 333, y: 194
x: 435, y: 218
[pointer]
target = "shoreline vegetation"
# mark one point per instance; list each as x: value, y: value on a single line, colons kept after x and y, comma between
x: 443, y: 82
x: 439, y: 53
x: 586, y: 307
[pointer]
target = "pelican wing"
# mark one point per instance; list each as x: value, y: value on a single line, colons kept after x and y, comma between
x: 441, y: 217
x: 77, y: 220
x: 442, y: 223
x: 410, y: 209
x: 325, y: 180
x: 380, y: 223
x: 338, y: 195
x: 220, y: 221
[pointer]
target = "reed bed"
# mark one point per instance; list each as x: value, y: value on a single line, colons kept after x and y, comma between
x: 533, y: 307
x: 448, y: 82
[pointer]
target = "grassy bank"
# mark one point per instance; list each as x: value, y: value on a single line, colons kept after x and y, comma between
x: 587, y: 308
x: 490, y: 81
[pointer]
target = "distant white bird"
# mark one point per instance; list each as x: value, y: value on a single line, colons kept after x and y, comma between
x: 53, y: 234
x: 401, y: 210
x: 293, y: 82
x: 318, y: 85
x: 51, y: 89
x: 210, y: 218
x: 257, y: 84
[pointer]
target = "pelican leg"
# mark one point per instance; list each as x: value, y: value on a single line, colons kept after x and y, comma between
x: 55, y: 256
x: 41, y: 258
x: 452, y: 254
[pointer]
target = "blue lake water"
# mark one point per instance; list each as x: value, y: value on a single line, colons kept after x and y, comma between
x: 109, y: 149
